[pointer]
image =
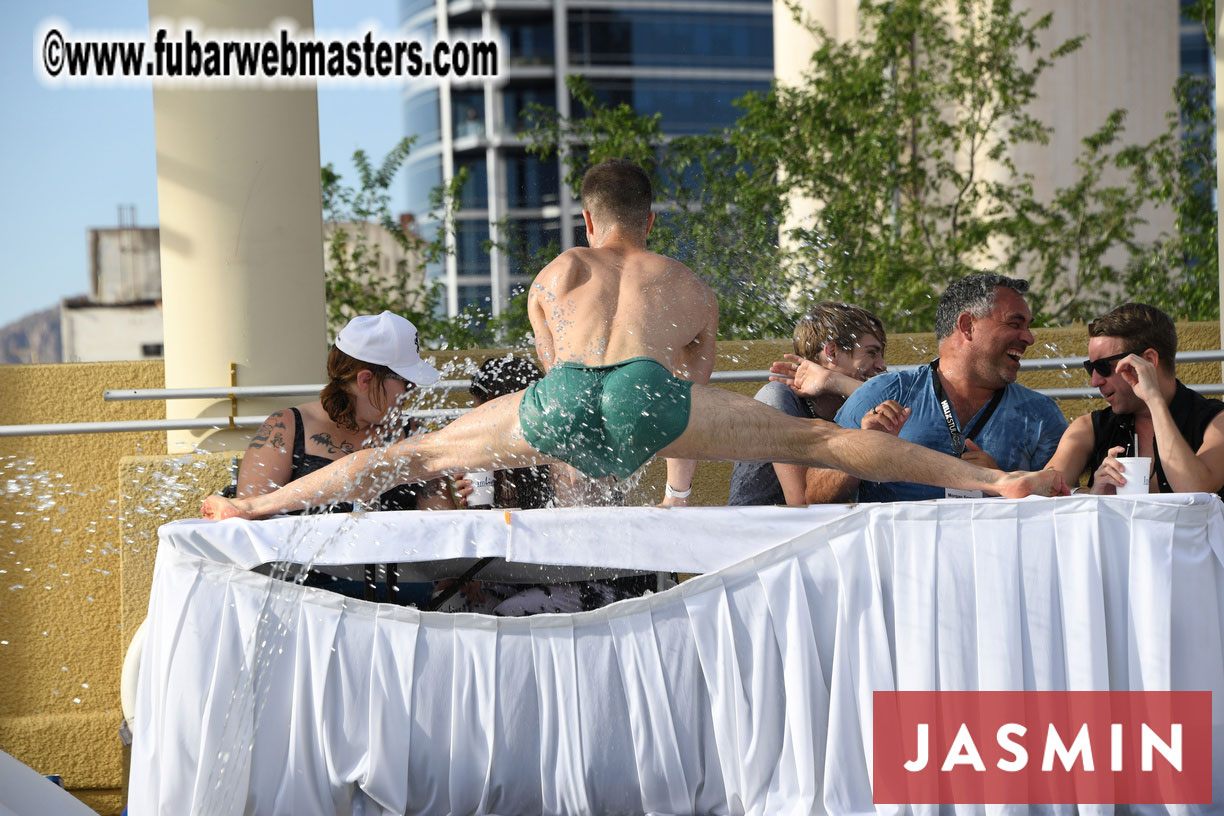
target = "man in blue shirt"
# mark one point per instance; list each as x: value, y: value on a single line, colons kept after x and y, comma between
x: 966, y: 403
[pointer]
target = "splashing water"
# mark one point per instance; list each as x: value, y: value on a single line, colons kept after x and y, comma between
x: 170, y: 490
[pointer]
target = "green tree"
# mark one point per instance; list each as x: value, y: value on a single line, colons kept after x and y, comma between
x: 1064, y: 244
x: 721, y: 209
x: 1068, y: 246
x: 904, y: 122
x: 903, y: 140
x: 1180, y: 271
x: 357, y: 281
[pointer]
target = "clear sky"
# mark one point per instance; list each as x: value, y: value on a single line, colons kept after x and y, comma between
x: 70, y: 156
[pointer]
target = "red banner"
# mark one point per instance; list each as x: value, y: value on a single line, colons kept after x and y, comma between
x: 1042, y: 747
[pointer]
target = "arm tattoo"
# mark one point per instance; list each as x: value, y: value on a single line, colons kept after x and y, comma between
x: 325, y: 440
x: 266, y: 431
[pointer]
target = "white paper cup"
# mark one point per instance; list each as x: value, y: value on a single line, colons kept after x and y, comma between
x: 1135, y: 469
x: 482, y: 488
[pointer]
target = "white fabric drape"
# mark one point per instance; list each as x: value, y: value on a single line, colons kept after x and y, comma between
x: 746, y: 690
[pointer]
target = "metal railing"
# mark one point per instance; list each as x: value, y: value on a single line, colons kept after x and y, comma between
x: 253, y: 391
x: 243, y: 391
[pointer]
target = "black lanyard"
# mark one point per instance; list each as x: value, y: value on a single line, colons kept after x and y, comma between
x: 954, y: 431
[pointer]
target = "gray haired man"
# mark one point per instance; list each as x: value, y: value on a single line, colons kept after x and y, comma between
x: 966, y: 403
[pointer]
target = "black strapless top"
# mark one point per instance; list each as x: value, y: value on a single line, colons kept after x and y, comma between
x: 400, y: 497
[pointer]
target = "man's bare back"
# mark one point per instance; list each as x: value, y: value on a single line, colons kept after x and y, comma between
x: 597, y: 306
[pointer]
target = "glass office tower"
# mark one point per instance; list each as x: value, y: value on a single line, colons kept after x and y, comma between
x: 686, y: 60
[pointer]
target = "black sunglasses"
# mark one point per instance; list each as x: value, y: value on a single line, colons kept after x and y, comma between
x: 1104, y: 366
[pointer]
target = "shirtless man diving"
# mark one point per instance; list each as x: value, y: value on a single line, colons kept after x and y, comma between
x: 627, y: 339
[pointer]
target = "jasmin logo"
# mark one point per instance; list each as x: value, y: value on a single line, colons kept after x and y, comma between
x: 962, y: 747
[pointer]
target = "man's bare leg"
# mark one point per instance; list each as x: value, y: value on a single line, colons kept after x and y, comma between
x: 727, y: 426
x: 485, y: 438
x: 722, y: 425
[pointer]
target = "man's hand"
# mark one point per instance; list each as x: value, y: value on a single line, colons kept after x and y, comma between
x: 1140, y: 374
x: 976, y: 456
x: 1108, y: 477
x: 218, y: 507
x: 1018, y: 484
x: 462, y: 488
x: 801, y: 375
x: 889, y: 416
x: 673, y: 501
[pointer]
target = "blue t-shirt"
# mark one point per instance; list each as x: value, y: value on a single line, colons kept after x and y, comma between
x: 1022, y: 434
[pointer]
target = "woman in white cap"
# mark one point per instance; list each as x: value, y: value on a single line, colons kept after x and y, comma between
x: 374, y: 362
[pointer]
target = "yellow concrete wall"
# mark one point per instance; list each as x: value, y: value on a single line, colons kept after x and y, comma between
x: 76, y: 573
x: 155, y: 491
x: 60, y: 636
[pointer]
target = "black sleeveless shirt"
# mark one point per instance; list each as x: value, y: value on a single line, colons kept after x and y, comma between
x: 400, y: 497
x: 1192, y: 413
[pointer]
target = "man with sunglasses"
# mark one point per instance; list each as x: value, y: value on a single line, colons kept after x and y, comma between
x: 1131, y: 354
x: 967, y: 403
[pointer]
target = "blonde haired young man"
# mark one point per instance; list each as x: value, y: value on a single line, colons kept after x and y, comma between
x: 840, y: 346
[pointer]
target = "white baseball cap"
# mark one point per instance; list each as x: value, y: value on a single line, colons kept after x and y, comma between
x: 390, y: 340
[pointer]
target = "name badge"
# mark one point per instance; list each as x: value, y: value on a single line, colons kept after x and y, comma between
x: 954, y: 493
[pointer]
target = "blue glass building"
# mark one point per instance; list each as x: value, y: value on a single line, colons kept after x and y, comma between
x: 687, y: 60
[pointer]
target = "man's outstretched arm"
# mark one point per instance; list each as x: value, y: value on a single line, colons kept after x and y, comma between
x: 808, y: 379
x: 695, y: 363
x: 1074, y: 452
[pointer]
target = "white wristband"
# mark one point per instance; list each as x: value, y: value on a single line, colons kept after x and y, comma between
x: 671, y: 492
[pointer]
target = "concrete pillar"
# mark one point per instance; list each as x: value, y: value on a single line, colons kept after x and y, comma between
x: 793, y: 48
x: 241, y: 229
x: 1129, y: 60
x: 794, y: 44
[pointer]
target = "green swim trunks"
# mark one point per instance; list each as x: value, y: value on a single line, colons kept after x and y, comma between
x: 608, y: 419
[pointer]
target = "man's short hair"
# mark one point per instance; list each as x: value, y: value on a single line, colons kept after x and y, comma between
x: 1140, y: 327
x: 618, y: 190
x: 974, y: 294
x: 837, y: 323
